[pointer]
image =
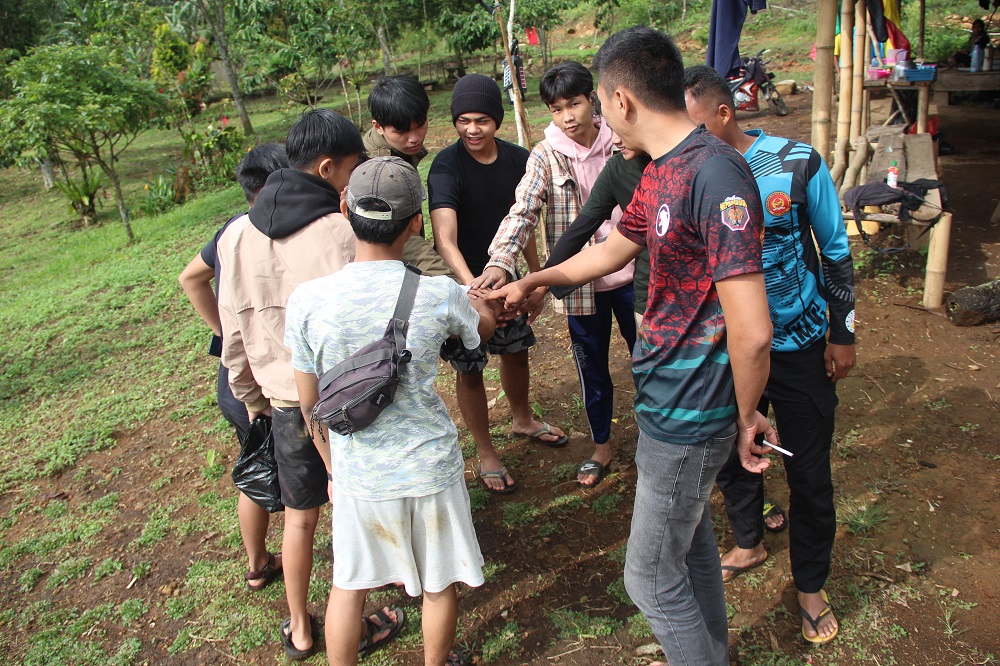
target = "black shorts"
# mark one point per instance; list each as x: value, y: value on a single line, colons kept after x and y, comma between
x: 516, y: 336
x: 301, y: 471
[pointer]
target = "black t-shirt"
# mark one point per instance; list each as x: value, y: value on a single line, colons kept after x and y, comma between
x: 480, y: 194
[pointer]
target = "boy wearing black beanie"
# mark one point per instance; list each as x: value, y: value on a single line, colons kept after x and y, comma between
x: 471, y: 188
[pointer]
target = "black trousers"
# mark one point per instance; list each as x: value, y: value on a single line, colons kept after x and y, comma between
x: 803, y: 399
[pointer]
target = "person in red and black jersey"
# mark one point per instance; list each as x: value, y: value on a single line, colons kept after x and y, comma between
x: 701, y: 361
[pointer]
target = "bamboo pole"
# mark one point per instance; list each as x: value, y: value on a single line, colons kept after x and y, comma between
x: 840, y: 153
x: 921, y: 30
x: 520, y: 115
x: 846, y: 73
x: 860, y: 64
x: 823, y: 80
x: 937, y: 263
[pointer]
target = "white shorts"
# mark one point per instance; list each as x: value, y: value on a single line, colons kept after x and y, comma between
x: 426, y: 543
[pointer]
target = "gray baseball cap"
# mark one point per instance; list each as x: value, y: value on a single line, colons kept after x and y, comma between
x: 390, y: 180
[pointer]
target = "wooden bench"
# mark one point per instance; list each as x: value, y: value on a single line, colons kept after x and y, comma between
x: 915, y: 158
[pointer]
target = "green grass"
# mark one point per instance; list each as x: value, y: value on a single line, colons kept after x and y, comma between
x: 502, y: 643
x: 577, y: 625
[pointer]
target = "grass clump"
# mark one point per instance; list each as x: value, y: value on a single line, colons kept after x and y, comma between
x: 577, y: 625
x: 501, y: 643
x: 861, y: 518
x: 519, y: 514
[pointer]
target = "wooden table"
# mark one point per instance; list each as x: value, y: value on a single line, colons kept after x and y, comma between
x: 923, y: 96
x: 953, y: 80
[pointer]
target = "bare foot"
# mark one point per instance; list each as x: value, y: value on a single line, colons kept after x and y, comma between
x: 602, y: 454
x: 376, y: 621
x: 262, y: 567
x: 491, y: 463
x: 539, y: 430
x: 739, y: 560
x: 815, y: 604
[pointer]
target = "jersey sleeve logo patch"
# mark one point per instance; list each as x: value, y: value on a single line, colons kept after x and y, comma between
x: 849, y: 321
x: 734, y: 213
x: 663, y: 220
x: 778, y: 203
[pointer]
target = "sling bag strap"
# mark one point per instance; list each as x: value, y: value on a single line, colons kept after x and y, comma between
x: 399, y: 325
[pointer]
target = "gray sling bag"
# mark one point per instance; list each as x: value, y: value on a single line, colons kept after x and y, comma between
x: 355, y: 391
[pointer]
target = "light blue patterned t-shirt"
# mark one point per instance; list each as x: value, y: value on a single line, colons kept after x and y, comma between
x: 411, y: 450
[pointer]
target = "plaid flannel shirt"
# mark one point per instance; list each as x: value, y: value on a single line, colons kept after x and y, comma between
x: 549, y: 181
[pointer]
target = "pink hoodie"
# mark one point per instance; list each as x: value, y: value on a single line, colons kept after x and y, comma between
x: 587, y: 165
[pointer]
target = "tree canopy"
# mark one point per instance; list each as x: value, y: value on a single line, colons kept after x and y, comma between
x: 80, y: 101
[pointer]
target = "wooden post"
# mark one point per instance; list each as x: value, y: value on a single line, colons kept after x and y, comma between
x: 937, y: 263
x: 520, y: 115
x: 860, y: 65
x: 823, y: 80
x: 846, y: 74
x: 923, y: 102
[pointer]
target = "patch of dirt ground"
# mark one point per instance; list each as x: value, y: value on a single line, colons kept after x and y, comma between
x: 916, y: 462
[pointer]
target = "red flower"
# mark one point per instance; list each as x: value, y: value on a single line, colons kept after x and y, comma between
x: 225, y: 121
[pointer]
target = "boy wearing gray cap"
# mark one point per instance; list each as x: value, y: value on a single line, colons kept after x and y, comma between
x: 400, y: 506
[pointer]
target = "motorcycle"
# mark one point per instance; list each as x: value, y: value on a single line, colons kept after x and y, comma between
x: 754, y: 78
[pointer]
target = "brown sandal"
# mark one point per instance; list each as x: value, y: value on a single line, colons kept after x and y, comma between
x: 268, y: 573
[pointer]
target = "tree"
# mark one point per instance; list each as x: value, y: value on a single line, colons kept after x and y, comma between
x: 214, y: 13
x: 22, y: 24
x: 81, y: 102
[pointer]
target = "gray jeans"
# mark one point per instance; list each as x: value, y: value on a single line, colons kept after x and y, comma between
x: 672, y: 569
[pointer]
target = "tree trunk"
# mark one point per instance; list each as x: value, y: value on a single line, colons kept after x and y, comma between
x: 48, y: 174
x: 122, y: 212
x: 459, y: 63
x: 543, y: 41
x: 218, y: 25
x: 970, y: 306
x: 384, y: 45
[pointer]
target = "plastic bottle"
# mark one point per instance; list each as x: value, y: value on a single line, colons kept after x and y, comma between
x: 977, y: 58
x: 892, y: 175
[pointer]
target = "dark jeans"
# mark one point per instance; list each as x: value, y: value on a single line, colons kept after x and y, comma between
x: 233, y: 409
x: 672, y: 568
x: 803, y: 399
x: 591, y: 336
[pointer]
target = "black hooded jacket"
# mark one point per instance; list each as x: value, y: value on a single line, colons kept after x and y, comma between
x: 290, y: 200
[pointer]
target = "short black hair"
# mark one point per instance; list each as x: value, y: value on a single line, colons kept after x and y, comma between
x: 565, y: 81
x: 705, y: 84
x: 257, y: 165
x: 399, y: 101
x: 982, y: 24
x: 647, y: 62
x: 379, y: 232
x: 321, y: 133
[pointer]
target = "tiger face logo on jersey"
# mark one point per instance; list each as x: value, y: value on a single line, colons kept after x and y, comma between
x: 663, y: 220
x: 778, y: 203
x: 734, y: 213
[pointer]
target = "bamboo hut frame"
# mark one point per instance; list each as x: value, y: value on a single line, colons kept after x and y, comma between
x: 854, y: 113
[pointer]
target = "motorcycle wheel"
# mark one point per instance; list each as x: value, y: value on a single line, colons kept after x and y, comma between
x: 772, y: 95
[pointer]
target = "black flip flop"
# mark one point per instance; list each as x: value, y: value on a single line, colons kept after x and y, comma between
x: 367, y: 646
x: 593, y: 468
x: 736, y: 571
x: 771, y: 508
x: 292, y: 652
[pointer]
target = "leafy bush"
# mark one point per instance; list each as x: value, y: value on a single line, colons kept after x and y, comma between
x: 82, y: 194
x: 159, y: 196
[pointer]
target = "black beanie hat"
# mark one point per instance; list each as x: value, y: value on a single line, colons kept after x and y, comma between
x: 477, y: 93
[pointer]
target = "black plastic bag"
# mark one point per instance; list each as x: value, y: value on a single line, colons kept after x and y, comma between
x: 255, y: 472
